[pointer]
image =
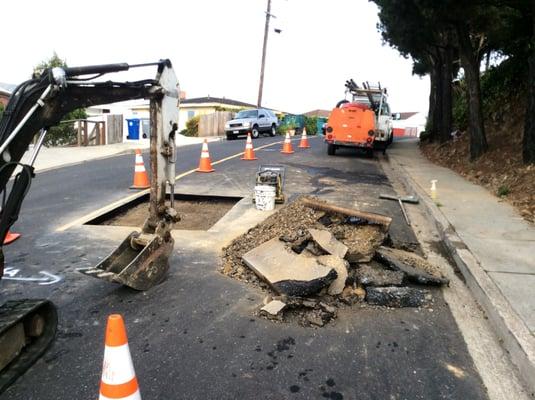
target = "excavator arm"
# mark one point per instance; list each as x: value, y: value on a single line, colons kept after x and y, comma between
x: 42, y: 102
x: 27, y: 327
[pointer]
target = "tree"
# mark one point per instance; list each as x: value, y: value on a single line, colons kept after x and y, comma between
x: 410, y: 27
x: 528, y: 142
x: 514, y: 37
x: 64, y: 133
x: 52, y: 62
x: 436, y: 33
x: 526, y: 44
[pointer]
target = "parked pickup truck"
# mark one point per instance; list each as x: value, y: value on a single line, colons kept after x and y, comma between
x: 256, y: 121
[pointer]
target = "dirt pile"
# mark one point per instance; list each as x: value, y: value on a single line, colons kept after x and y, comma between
x: 500, y: 170
x: 290, y: 221
x: 341, y: 257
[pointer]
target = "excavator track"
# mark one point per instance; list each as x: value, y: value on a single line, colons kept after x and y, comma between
x: 27, y: 327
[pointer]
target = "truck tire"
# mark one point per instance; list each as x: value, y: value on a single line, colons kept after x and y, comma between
x: 273, y: 130
x: 255, y: 132
x: 331, y: 149
x: 341, y: 102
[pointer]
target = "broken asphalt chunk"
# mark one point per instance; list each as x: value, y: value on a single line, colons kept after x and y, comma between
x: 327, y: 242
x: 288, y: 273
x: 393, y: 296
x: 410, y: 264
x: 340, y: 266
x: 274, y: 307
x: 375, y: 275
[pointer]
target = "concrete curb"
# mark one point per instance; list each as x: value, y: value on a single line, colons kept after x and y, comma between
x: 508, y: 326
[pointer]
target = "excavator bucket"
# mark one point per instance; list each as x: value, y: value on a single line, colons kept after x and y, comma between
x: 140, y: 262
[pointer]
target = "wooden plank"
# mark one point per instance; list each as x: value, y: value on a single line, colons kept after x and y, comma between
x: 79, y: 135
x: 370, y: 217
x: 86, y: 133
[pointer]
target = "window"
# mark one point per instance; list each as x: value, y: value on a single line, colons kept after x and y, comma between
x: 191, y: 114
x: 247, y: 114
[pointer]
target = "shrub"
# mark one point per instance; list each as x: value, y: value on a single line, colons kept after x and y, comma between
x: 500, y: 85
x: 285, y: 127
x: 311, y: 124
x: 192, y: 127
x: 503, y: 191
x: 64, y: 134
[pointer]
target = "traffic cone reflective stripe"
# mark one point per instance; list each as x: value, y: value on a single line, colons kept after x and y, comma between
x: 118, y: 376
x: 303, y: 144
x: 249, y: 151
x: 141, y: 178
x: 287, y: 146
x: 205, y: 164
x: 120, y: 391
x: 11, y: 237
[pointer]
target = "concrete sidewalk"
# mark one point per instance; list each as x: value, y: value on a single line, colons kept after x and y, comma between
x: 55, y: 157
x: 491, y: 244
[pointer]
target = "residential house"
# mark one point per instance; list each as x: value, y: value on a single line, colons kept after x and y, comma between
x: 409, y: 124
x: 190, y: 108
x: 121, y: 118
x: 5, y: 92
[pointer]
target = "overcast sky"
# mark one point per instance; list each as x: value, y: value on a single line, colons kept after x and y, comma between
x: 216, y: 46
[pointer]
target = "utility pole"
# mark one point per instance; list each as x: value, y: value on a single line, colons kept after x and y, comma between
x: 266, y: 31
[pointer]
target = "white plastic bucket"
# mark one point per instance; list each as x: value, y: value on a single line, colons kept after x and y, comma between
x: 264, y: 196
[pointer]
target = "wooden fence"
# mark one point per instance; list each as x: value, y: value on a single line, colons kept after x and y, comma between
x: 90, y: 132
x: 114, y: 125
x: 214, y: 124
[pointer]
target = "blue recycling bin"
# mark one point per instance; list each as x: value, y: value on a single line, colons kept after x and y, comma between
x: 133, y: 128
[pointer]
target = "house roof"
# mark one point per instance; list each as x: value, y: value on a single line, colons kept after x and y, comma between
x: 218, y: 100
x: 318, y: 113
x: 406, y: 115
x: 7, y: 88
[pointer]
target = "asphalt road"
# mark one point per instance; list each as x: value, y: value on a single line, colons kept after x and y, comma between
x: 196, y: 335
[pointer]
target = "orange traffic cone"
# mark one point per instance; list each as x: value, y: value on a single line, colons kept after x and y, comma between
x: 249, y: 151
x: 287, y: 146
x: 141, y: 178
x: 118, y: 376
x: 205, y: 164
x: 11, y: 237
x: 303, y: 144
